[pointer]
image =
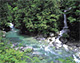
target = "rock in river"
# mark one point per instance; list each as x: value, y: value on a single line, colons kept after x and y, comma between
x: 27, y: 49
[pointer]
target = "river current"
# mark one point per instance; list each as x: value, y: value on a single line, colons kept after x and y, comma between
x: 41, y: 48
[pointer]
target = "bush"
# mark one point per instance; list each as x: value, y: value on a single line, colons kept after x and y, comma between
x: 32, y: 16
x: 38, y: 16
x: 9, y: 55
x: 66, y: 60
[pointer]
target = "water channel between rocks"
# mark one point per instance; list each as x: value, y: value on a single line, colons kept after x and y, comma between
x: 39, y: 48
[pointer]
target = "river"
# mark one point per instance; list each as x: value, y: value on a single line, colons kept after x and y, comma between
x: 41, y: 48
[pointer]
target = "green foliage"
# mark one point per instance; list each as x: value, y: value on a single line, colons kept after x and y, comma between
x: 35, y: 16
x: 65, y: 35
x: 71, y: 19
x: 67, y: 60
x: 28, y: 50
x: 52, y: 62
x: 40, y: 16
x: 9, y: 55
x: 1, y: 33
x: 36, y: 60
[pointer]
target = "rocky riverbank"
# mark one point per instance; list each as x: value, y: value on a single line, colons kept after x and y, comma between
x: 67, y: 45
x: 52, y: 40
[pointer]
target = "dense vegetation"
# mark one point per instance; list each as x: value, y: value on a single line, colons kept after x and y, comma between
x: 40, y: 16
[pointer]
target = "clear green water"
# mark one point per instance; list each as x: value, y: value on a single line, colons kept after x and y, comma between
x: 40, y: 48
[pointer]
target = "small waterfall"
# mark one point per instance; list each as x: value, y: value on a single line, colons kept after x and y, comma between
x: 65, y: 28
x: 65, y: 22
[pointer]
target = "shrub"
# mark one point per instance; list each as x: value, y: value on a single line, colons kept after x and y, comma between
x: 66, y: 60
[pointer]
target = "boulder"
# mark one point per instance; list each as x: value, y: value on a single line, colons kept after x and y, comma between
x: 53, y: 39
x: 49, y: 39
x: 58, y: 41
x: 66, y: 47
x: 51, y: 34
x: 27, y: 49
x: 58, y: 46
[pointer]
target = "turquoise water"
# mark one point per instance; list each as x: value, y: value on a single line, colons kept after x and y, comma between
x: 49, y: 53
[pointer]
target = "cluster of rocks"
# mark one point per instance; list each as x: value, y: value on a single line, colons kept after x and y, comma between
x: 27, y: 49
x: 22, y: 48
x: 52, y: 40
x: 58, y: 44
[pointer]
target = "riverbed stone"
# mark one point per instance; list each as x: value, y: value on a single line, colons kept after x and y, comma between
x: 58, y: 41
x: 37, y: 53
x: 70, y: 48
x: 21, y: 47
x: 14, y: 45
x: 49, y: 39
x: 17, y: 48
x: 52, y: 34
x: 27, y: 49
x: 75, y: 49
x: 53, y: 39
x: 58, y: 46
x: 66, y: 47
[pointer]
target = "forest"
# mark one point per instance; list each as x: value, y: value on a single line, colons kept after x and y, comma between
x: 39, y: 19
